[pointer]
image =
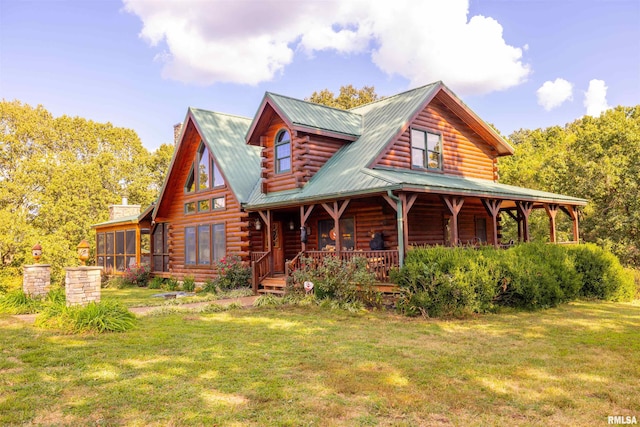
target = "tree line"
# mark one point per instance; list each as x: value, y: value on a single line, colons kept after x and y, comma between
x: 58, y: 175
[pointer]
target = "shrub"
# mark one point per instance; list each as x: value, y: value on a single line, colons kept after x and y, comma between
x: 232, y: 273
x: 346, y: 281
x: 170, y: 284
x: 210, y: 286
x: 104, y: 316
x: 137, y: 275
x: 602, y: 275
x: 156, y: 283
x: 443, y: 281
x: 188, y: 284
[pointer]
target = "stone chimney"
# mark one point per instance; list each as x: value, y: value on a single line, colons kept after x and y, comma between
x: 177, y: 128
x: 123, y: 210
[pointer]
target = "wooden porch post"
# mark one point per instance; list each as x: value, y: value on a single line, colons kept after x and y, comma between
x: 492, y: 207
x: 336, y: 212
x: 524, y: 209
x: 455, y: 205
x: 304, y: 216
x: 573, y: 213
x: 552, y: 210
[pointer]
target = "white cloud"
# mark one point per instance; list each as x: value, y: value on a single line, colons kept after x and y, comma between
x: 250, y: 41
x: 595, y: 98
x: 553, y: 93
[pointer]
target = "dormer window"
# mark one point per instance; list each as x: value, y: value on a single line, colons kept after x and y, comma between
x: 205, y: 174
x: 426, y: 150
x: 283, y: 151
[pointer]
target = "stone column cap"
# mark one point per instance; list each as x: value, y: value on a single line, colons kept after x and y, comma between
x: 36, y: 265
x: 83, y: 268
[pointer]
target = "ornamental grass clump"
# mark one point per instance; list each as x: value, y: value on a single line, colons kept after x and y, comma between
x: 17, y: 302
x: 95, y: 317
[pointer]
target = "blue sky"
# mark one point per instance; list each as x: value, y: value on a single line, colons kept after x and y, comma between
x: 141, y: 63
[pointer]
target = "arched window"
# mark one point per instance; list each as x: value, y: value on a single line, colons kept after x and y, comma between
x: 283, y: 151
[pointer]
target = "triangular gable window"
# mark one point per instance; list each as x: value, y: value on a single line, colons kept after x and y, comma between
x: 190, y: 185
x: 208, y: 174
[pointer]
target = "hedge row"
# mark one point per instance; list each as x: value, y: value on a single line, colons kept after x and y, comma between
x: 440, y: 281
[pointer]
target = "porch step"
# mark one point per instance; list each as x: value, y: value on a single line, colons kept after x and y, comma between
x: 273, y: 285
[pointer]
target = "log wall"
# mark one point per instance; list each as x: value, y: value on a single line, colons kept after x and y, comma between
x: 464, y: 151
x: 235, y: 221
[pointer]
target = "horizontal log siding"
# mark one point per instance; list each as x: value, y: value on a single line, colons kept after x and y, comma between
x: 427, y: 220
x: 312, y: 152
x: 370, y: 215
x: 236, y: 222
x: 464, y: 151
x: 270, y: 179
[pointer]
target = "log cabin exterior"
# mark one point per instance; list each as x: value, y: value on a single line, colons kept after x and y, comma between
x: 416, y: 168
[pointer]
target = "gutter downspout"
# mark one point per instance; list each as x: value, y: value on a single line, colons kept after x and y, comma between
x: 400, y: 221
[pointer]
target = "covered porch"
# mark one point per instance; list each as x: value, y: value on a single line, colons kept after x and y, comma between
x: 382, y: 227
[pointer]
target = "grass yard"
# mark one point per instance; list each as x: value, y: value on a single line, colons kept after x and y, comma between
x: 141, y: 297
x: 572, y: 365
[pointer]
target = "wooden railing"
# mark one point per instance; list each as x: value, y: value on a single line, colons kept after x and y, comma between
x: 378, y: 262
x: 255, y: 256
x: 260, y: 268
x: 293, y: 265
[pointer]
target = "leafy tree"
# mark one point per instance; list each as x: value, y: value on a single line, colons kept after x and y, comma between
x: 596, y: 158
x: 58, y: 176
x: 159, y: 165
x: 349, y: 97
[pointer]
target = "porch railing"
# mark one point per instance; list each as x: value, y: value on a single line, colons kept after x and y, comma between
x: 260, y: 268
x: 378, y: 262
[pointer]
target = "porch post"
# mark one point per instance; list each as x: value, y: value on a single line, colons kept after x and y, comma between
x: 304, y: 216
x: 336, y: 212
x: 552, y: 210
x: 492, y: 207
x: 524, y: 209
x: 455, y: 205
x: 573, y: 213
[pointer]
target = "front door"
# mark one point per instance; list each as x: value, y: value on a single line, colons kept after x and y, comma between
x: 278, y: 247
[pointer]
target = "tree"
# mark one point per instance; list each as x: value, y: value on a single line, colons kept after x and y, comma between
x: 58, y: 176
x: 596, y: 158
x: 349, y: 97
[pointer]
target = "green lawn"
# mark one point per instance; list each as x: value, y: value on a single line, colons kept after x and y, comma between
x: 140, y: 297
x: 572, y: 365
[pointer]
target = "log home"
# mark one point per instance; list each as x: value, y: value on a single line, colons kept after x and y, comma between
x: 416, y: 168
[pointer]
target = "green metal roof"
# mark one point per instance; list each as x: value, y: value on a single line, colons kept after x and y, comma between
x: 131, y: 219
x: 317, y: 116
x: 224, y: 136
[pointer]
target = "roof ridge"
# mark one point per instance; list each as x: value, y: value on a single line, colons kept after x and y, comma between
x: 395, y: 95
x: 219, y: 113
x: 313, y: 103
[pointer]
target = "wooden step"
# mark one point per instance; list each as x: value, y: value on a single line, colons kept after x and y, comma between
x: 273, y: 285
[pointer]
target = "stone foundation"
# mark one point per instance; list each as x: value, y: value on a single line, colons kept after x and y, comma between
x: 36, y: 280
x: 82, y: 285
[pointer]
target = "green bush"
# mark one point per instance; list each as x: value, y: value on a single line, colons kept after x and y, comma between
x: 170, y: 284
x: 603, y: 277
x: 156, y: 283
x: 104, y: 316
x: 210, y: 286
x: 442, y: 281
x: 189, y: 284
x: 268, y: 300
x: 337, y: 280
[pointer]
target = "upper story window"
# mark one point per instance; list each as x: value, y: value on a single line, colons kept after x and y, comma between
x: 426, y: 150
x: 205, y: 174
x: 283, y: 151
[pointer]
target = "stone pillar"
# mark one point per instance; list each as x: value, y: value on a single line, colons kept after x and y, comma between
x: 82, y: 285
x: 36, y: 279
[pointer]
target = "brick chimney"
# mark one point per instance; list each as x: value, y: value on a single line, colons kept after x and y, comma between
x: 123, y: 210
x: 177, y: 128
